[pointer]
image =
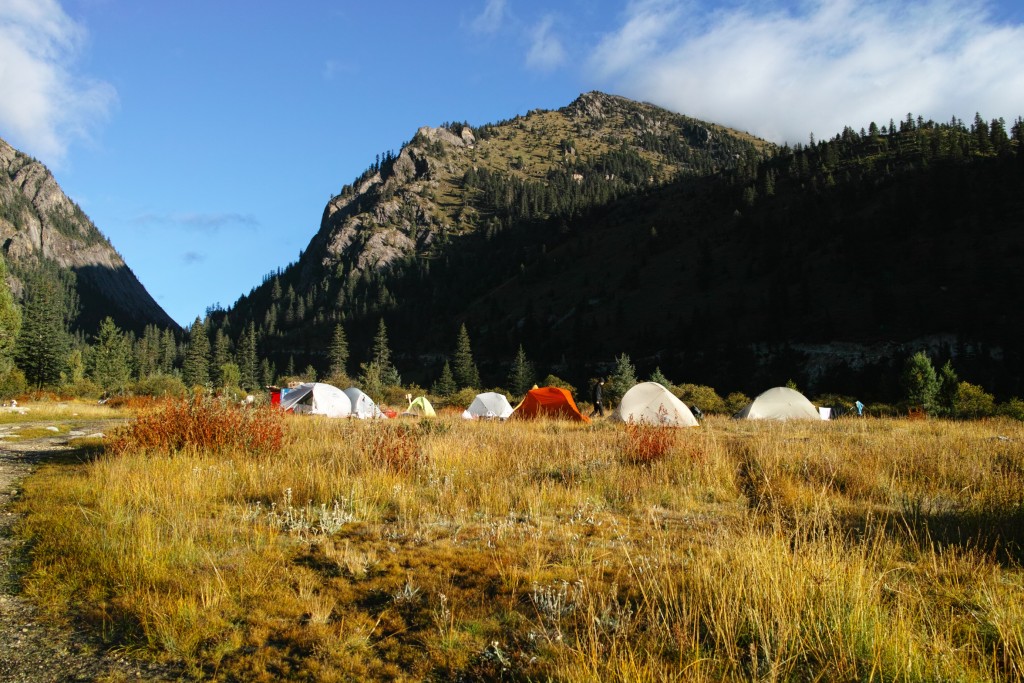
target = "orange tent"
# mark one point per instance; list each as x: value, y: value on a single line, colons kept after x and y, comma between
x: 549, y: 402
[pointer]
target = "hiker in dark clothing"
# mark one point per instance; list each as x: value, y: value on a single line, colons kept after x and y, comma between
x: 596, y: 395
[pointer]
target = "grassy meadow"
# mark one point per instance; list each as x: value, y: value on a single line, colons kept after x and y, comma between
x: 441, y: 550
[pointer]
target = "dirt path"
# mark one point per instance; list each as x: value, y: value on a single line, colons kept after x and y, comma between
x: 32, y: 650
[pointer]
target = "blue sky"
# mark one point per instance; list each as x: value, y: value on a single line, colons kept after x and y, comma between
x: 204, y: 137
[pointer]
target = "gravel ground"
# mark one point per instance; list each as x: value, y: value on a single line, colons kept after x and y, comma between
x: 33, y: 650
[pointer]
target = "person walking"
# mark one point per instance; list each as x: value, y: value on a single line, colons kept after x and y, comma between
x: 596, y: 395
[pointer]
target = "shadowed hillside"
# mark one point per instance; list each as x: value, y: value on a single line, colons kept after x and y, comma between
x: 611, y: 226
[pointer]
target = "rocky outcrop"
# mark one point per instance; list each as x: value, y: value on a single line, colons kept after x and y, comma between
x: 38, y: 221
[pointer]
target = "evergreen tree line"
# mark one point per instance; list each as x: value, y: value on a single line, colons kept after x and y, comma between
x: 521, y: 222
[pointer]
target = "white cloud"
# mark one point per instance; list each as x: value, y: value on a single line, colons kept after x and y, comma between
x: 490, y: 20
x: 783, y: 74
x: 45, y: 104
x: 546, y: 51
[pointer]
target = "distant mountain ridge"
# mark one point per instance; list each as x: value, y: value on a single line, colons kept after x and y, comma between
x: 448, y: 192
x: 39, y: 222
x: 613, y: 226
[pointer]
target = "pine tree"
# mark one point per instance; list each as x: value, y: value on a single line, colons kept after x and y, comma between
x: 109, y: 361
x: 445, y: 384
x: 622, y: 379
x: 920, y: 381
x: 466, y: 374
x: 520, y: 377
x: 220, y: 357
x: 387, y: 372
x: 168, y: 352
x: 10, y: 322
x: 949, y: 383
x: 43, y: 343
x: 338, y: 352
x: 248, y: 362
x: 196, y: 368
x: 656, y: 376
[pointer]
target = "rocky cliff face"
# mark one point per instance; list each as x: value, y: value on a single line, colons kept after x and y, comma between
x: 38, y: 221
x: 419, y: 200
x: 461, y: 210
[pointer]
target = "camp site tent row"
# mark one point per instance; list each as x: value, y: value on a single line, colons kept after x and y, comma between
x: 647, y: 402
x: 317, y: 398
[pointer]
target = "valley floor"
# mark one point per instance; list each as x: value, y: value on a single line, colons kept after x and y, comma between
x: 446, y: 550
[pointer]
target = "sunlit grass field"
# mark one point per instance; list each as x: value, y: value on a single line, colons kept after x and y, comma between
x: 449, y: 550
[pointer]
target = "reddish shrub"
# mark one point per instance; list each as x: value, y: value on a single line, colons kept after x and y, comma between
x: 396, y: 447
x: 647, y: 444
x: 204, y: 425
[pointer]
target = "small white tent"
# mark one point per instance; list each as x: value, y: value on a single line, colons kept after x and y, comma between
x: 488, y: 405
x: 780, y: 403
x: 317, y: 398
x: 363, y: 406
x: 651, y: 403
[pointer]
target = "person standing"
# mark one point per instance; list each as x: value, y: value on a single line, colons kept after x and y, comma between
x: 596, y: 395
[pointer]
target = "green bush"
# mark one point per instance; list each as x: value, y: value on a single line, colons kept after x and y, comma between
x: 735, y: 402
x: 553, y: 381
x: 1013, y: 408
x: 160, y: 386
x: 704, y: 397
x: 12, y: 383
x: 973, y: 402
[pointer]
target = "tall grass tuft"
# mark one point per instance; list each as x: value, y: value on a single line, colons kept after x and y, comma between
x: 646, y: 444
x: 202, y: 424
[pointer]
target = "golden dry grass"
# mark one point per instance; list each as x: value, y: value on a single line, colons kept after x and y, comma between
x: 851, y: 550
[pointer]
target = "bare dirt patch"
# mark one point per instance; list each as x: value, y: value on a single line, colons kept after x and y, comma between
x: 33, y: 649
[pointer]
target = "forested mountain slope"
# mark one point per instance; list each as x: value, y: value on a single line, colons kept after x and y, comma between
x: 611, y: 226
x: 40, y: 228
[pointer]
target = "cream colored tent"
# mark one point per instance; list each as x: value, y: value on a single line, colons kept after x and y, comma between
x: 316, y: 398
x: 363, y: 406
x: 488, y: 405
x: 780, y: 403
x: 651, y: 403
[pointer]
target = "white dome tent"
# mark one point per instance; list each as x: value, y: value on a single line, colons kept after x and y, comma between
x: 363, y: 406
x: 651, y: 403
x: 317, y: 398
x: 488, y: 405
x: 780, y: 403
